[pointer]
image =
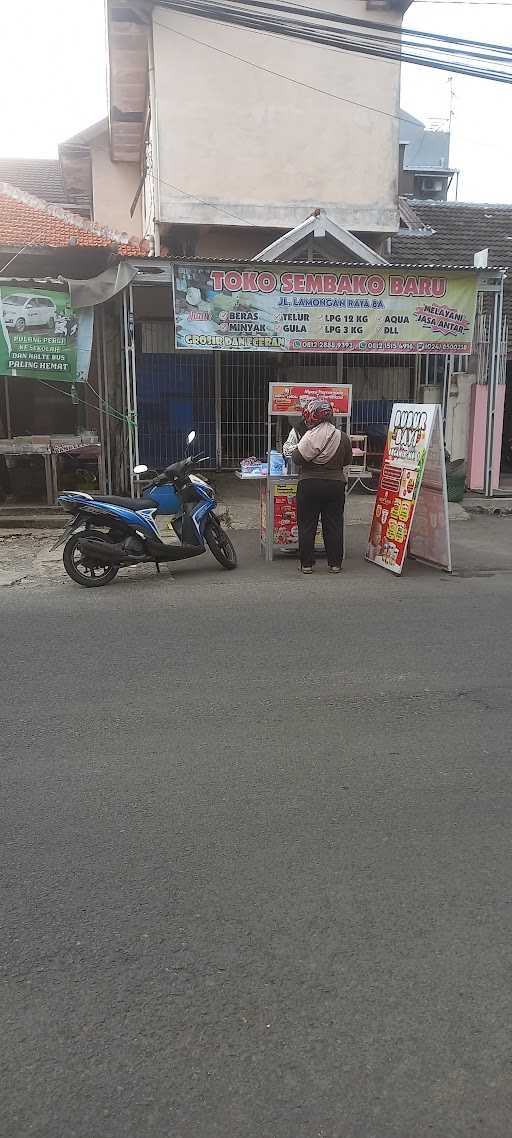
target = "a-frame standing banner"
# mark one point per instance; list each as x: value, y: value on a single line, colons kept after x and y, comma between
x: 411, y: 507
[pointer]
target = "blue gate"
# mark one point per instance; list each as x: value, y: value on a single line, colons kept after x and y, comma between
x: 174, y: 394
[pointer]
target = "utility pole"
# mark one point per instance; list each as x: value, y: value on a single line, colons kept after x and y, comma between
x: 451, y: 117
x: 452, y: 103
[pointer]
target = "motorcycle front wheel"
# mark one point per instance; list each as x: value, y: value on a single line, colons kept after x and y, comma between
x: 220, y: 545
x: 82, y: 569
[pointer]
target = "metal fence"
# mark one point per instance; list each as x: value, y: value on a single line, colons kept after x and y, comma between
x: 224, y: 396
x: 243, y: 393
x: 174, y: 394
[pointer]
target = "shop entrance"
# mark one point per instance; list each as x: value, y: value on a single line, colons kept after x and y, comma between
x: 224, y: 396
x: 176, y: 380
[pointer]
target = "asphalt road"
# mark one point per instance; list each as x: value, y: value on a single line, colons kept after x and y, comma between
x: 256, y: 855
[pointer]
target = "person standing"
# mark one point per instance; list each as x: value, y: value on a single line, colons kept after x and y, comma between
x: 321, y: 456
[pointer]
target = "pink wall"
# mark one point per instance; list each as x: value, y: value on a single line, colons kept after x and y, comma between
x: 498, y: 434
x: 476, y: 443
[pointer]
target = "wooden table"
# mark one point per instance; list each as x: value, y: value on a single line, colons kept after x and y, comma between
x: 49, y: 452
x: 22, y: 446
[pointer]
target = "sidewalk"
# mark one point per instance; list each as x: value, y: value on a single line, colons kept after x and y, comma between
x: 497, y: 507
x: 239, y: 504
x: 26, y: 559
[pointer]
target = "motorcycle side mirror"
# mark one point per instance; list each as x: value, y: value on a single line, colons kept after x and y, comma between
x: 140, y: 469
x: 191, y: 437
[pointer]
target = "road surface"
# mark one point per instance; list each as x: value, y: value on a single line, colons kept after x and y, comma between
x: 256, y: 860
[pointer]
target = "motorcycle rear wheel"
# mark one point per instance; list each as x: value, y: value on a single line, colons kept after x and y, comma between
x: 220, y: 545
x: 82, y: 570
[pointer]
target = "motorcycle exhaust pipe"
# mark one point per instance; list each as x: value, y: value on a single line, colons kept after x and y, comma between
x: 107, y: 551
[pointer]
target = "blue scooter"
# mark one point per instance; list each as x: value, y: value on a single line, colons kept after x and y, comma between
x: 109, y: 533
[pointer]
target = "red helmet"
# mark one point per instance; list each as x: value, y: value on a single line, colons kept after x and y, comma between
x: 317, y: 411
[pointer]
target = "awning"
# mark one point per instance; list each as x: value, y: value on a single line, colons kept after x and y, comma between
x: 97, y: 290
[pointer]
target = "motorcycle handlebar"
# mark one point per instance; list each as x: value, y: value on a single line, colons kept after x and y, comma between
x: 170, y: 473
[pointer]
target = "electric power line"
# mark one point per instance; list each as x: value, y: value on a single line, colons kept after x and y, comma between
x: 375, y: 46
x: 296, y: 82
x: 288, y: 79
x: 18, y: 254
x: 267, y: 71
x: 279, y: 75
x: 459, y: 59
x: 110, y: 411
x: 211, y: 205
x: 350, y: 21
x: 470, y: 3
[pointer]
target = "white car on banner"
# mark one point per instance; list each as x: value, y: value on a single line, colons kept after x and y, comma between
x: 23, y: 311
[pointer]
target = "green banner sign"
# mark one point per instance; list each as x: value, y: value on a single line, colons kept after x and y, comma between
x: 323, y: 309
x: 39, y: 333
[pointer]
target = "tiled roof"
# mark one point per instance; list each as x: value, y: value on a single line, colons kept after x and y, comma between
x: 26, y: 220
x: 459, y: 230
x: 42, y: 177
x: 316, y: 264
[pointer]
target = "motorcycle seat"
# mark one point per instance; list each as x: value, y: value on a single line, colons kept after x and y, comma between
x: 128, y: 503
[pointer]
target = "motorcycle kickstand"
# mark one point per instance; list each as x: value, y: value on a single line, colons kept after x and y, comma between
x: 157, y: 563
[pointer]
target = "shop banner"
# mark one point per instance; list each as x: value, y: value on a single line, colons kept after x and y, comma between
x: 293, y: 310
x: 411, y: 506
x: 289, y: 399
x: 40, y: 334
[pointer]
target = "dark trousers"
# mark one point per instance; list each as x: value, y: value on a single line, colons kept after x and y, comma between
x: 325, y: 498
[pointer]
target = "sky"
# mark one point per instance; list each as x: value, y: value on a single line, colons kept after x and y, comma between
x: 53, y: 74
x: 480, y: 142
x: 53, y: 84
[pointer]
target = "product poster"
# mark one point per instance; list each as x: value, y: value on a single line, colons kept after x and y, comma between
x: 286, y: 533
x: 411, y: 506
x: 270, y: 309
x: 39, y: 334
x: 285, y: 513
x: 289, y: 399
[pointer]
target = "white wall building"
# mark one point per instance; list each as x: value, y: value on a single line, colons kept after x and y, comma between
x: 231, y: 140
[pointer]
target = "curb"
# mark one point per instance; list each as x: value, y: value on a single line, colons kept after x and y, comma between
x: 492, y: 510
